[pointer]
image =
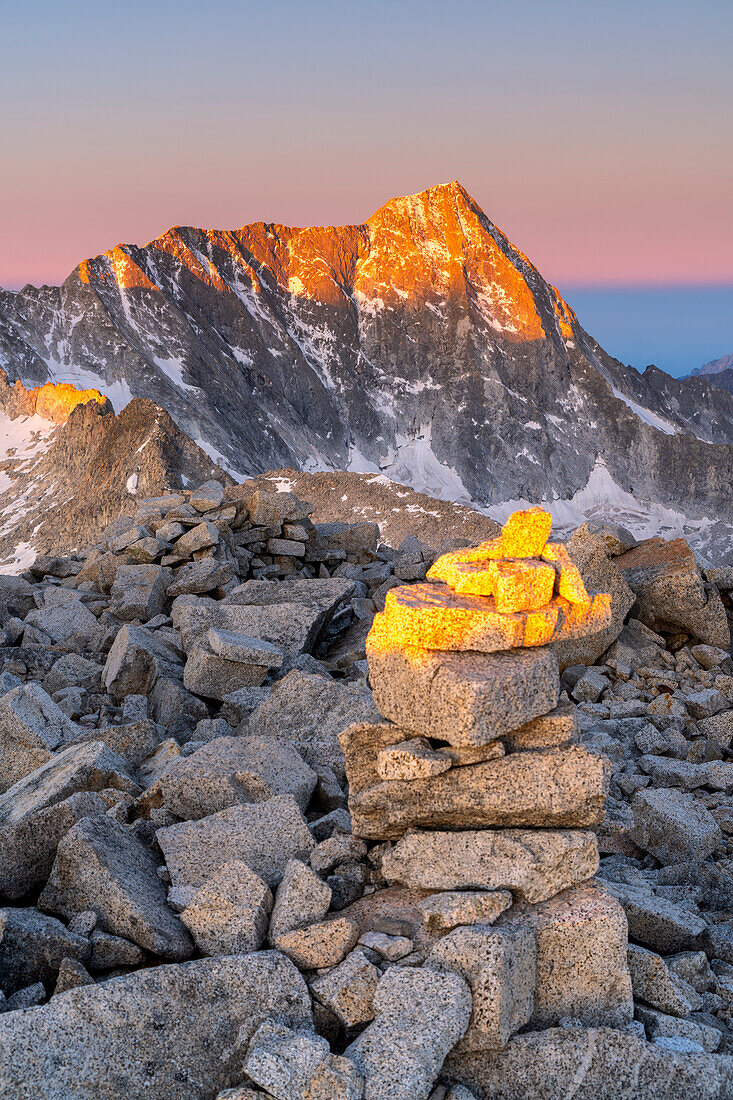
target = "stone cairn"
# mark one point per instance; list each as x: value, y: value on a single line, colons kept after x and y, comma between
x: 480, y: 791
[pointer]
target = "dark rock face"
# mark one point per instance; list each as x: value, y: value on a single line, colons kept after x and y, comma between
x: 421, y: 343
x: 722, y: 376
x: 89, y: 471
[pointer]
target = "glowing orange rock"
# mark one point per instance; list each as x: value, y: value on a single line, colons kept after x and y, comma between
x: 519, y: 585
x: 432, y: 616
x: 55, y: 400
x: 525, y: 533
x: 570, y: 584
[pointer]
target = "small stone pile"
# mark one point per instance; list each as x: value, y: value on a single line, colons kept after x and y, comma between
x: 481, y: 794
x: 208, y: 537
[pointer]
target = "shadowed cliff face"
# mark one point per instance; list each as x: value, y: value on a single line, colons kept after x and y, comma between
x: 61, y: 483
x: 421, y: 344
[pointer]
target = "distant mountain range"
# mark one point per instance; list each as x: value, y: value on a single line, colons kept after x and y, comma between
x: 720, y: 372
x: 715, y: 366
x: 421, y: 345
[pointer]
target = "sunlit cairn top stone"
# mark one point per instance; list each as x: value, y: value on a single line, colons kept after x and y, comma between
x: 513, y: 591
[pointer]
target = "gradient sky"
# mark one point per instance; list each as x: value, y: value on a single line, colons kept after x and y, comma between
x: 596, y: 133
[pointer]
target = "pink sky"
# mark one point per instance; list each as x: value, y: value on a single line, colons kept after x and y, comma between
x: 596, y: 135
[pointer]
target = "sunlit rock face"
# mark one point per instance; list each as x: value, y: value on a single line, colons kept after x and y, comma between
x: 421, y: 343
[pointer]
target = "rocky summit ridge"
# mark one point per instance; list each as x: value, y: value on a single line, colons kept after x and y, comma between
x: 283, y: 818
x: 420, y: 344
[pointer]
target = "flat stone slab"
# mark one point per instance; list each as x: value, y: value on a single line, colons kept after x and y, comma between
x: 535, y: 864
x: 559, y: 788
x: 171, y: 1032
x: 463, y: 698
x: 243, y: 647
x: 291, y: 627
x: 433, y: 616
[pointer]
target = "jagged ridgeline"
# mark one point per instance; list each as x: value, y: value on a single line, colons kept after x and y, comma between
x: 421, y: 343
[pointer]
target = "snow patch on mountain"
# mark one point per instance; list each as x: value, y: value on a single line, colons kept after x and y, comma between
x: 651, y: 418
x: 173, y: 369
x: 603, y: 498
x: 412, y: 461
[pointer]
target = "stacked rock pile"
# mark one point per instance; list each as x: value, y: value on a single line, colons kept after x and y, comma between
x: 208, y: 537
x: 484, y: 798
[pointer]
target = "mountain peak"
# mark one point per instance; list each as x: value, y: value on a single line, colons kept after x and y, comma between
x: 432, y: 198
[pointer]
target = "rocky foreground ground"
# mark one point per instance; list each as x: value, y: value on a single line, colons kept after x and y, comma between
x: 187, y: 911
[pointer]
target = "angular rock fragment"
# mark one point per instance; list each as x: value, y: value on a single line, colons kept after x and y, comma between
x: 674, y: 1031
x: 207, y: 497
x: 28, y: 845
x: 301, y: 899
x: 654, y: 921
x: 557, y: 727
x: 582, y: 972
x: 657, y: 987
x: 289, y: 626
x: 320, y: 945
x: 673, y: 826
x: 312, y: 712
x: 100, y: 866
x: 283, y: 1061
x: 32, y: 726
x: 264, y: 835
x: 670, y: 592
x: 335, y: 1078
x: 84, y: 767
x: 109, y: 951
x: 230, y: 913
x: 66, y: 622
x: 413, y: 759
x: 32, y: 948
x: 215, y: 677
x: 244, y: 648
x: 71, y: 975
x: 139, y: 592
x: 138, y: 657
x: 499, y: 965
x: 348, y: 989
x: 420, y: 1015
x: 68, y: 1048
x: 198, y: 577
x: 600, y: 574
x: 451, y: 909
x: 233, y: 770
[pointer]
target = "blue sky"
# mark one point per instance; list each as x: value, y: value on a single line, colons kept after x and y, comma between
x: 677, y: 328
